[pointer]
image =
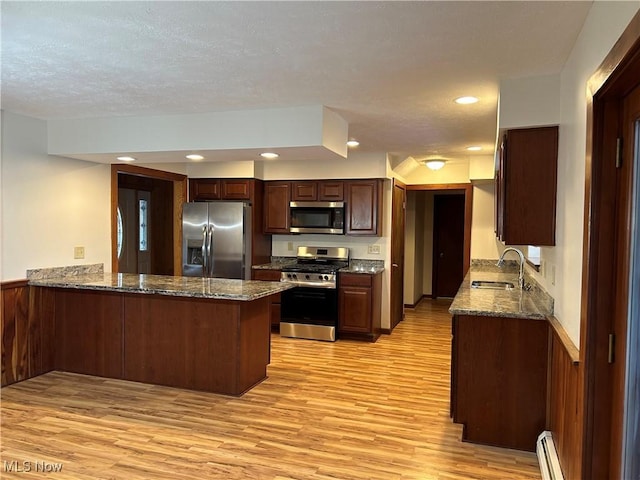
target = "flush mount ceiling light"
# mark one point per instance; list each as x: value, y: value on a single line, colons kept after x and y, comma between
x: 126, y: 158
x: 269, y: 155
x: 436, y: 164
x: 474, y: 148
x: 195, y: 156
x: 466, y: 100
x: 353, y: 143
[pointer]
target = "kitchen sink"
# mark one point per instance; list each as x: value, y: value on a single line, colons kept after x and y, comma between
x: 492, y: 285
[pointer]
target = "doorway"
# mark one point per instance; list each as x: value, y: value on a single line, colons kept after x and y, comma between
x: 448, y: 244
x: 609, y: 331
x: 426, y: 242
x: 146, y: 225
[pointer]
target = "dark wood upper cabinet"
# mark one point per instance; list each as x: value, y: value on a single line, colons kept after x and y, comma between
x: 322, y: 190
x: 526, y: 186
x: 205, y: 189
x: 304, y: 191
x: 242, y: 190
x: 277, y: 196
x: 235, y: 189
x: 363, y: 210
x: 331, y: 191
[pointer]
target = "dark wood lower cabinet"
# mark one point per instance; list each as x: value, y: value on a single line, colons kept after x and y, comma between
x: 499, y: 379
x: 219, y: 346
x: 359, y: 297
x: 268, y: 275
x: 198, y: 344
x: 89, y: 332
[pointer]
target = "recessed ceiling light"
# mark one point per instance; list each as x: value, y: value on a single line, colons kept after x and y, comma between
x: 466, y: 100
x: 269, y: 155
x: 435, y: 164
x: 126, y: 158
x: 474, y: 148
x: 353, y: 143
x: 195, y: 156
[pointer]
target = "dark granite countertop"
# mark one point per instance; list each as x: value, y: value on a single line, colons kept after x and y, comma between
x: 535, y: 303
x: 370, y: 267
x: 215, y: 288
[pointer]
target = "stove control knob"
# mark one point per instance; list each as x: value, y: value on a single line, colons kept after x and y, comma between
x: 306, y: 277
x: 319, y: 277
x: 326, y: 277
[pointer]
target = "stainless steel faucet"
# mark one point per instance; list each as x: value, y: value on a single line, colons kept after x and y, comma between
x: 521, y: 255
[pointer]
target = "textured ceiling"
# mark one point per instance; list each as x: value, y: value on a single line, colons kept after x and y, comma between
x: 390, y: 69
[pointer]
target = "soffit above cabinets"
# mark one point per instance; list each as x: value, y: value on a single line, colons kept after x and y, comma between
x: 299, y: 133
x: 390, y: 69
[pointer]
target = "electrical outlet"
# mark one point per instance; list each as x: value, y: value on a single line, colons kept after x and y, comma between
x: 543, y: 269
x: 553, y: 274
x: 290, y: 246
x: 374, y: 249
x: 78, y: 252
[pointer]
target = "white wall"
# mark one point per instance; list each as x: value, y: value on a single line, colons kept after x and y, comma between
x: 484, y: 244
x: 603, y: 26
x: 605, y: 23
x: 49, y: 204
x: 526, y: 102
x: 356, y: 165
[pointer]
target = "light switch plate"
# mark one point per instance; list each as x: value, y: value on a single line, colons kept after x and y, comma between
x: 374, y: 249
x: 78, y: 252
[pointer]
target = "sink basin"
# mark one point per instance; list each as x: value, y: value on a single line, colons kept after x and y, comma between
x: 492, y: 285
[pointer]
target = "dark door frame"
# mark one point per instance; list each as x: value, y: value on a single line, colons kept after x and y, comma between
x: 179, y: 196
x: 397, y: 270
x: 467, y: 190
x: 609, y: 84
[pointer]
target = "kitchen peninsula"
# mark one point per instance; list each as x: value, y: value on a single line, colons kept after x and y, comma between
x: 198, y: 333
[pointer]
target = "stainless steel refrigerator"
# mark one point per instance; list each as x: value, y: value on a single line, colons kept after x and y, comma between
x: 216, y: 240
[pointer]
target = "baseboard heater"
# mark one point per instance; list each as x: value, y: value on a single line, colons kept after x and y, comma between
x: 548, y: 457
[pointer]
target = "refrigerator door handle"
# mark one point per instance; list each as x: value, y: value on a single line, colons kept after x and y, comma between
x: 204, y: 251
x: 210, y: 252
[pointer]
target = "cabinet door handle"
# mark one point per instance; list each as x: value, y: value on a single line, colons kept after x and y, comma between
x: 394, y: 265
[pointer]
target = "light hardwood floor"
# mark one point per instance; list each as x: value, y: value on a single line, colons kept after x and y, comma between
x: 344, y: 410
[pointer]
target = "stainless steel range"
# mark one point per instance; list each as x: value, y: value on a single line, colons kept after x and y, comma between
x: 310, y: 310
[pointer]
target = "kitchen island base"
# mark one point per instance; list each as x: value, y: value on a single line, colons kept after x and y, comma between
x: 214, y: 345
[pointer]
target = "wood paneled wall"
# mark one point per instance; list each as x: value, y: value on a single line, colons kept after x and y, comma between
x: 27, y: 340
x: 565, y: 400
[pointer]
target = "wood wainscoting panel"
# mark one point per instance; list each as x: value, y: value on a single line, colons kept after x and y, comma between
x: 564, y: 405
x: 42, y: 332
x: 15, y: 331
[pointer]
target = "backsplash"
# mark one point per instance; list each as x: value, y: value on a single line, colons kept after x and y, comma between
x: 68, y: 271
x: 358, y: 246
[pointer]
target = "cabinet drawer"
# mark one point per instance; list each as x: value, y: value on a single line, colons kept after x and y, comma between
x: 355, y: 280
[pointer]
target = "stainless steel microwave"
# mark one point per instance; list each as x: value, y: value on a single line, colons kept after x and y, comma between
x: 317, y: 217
